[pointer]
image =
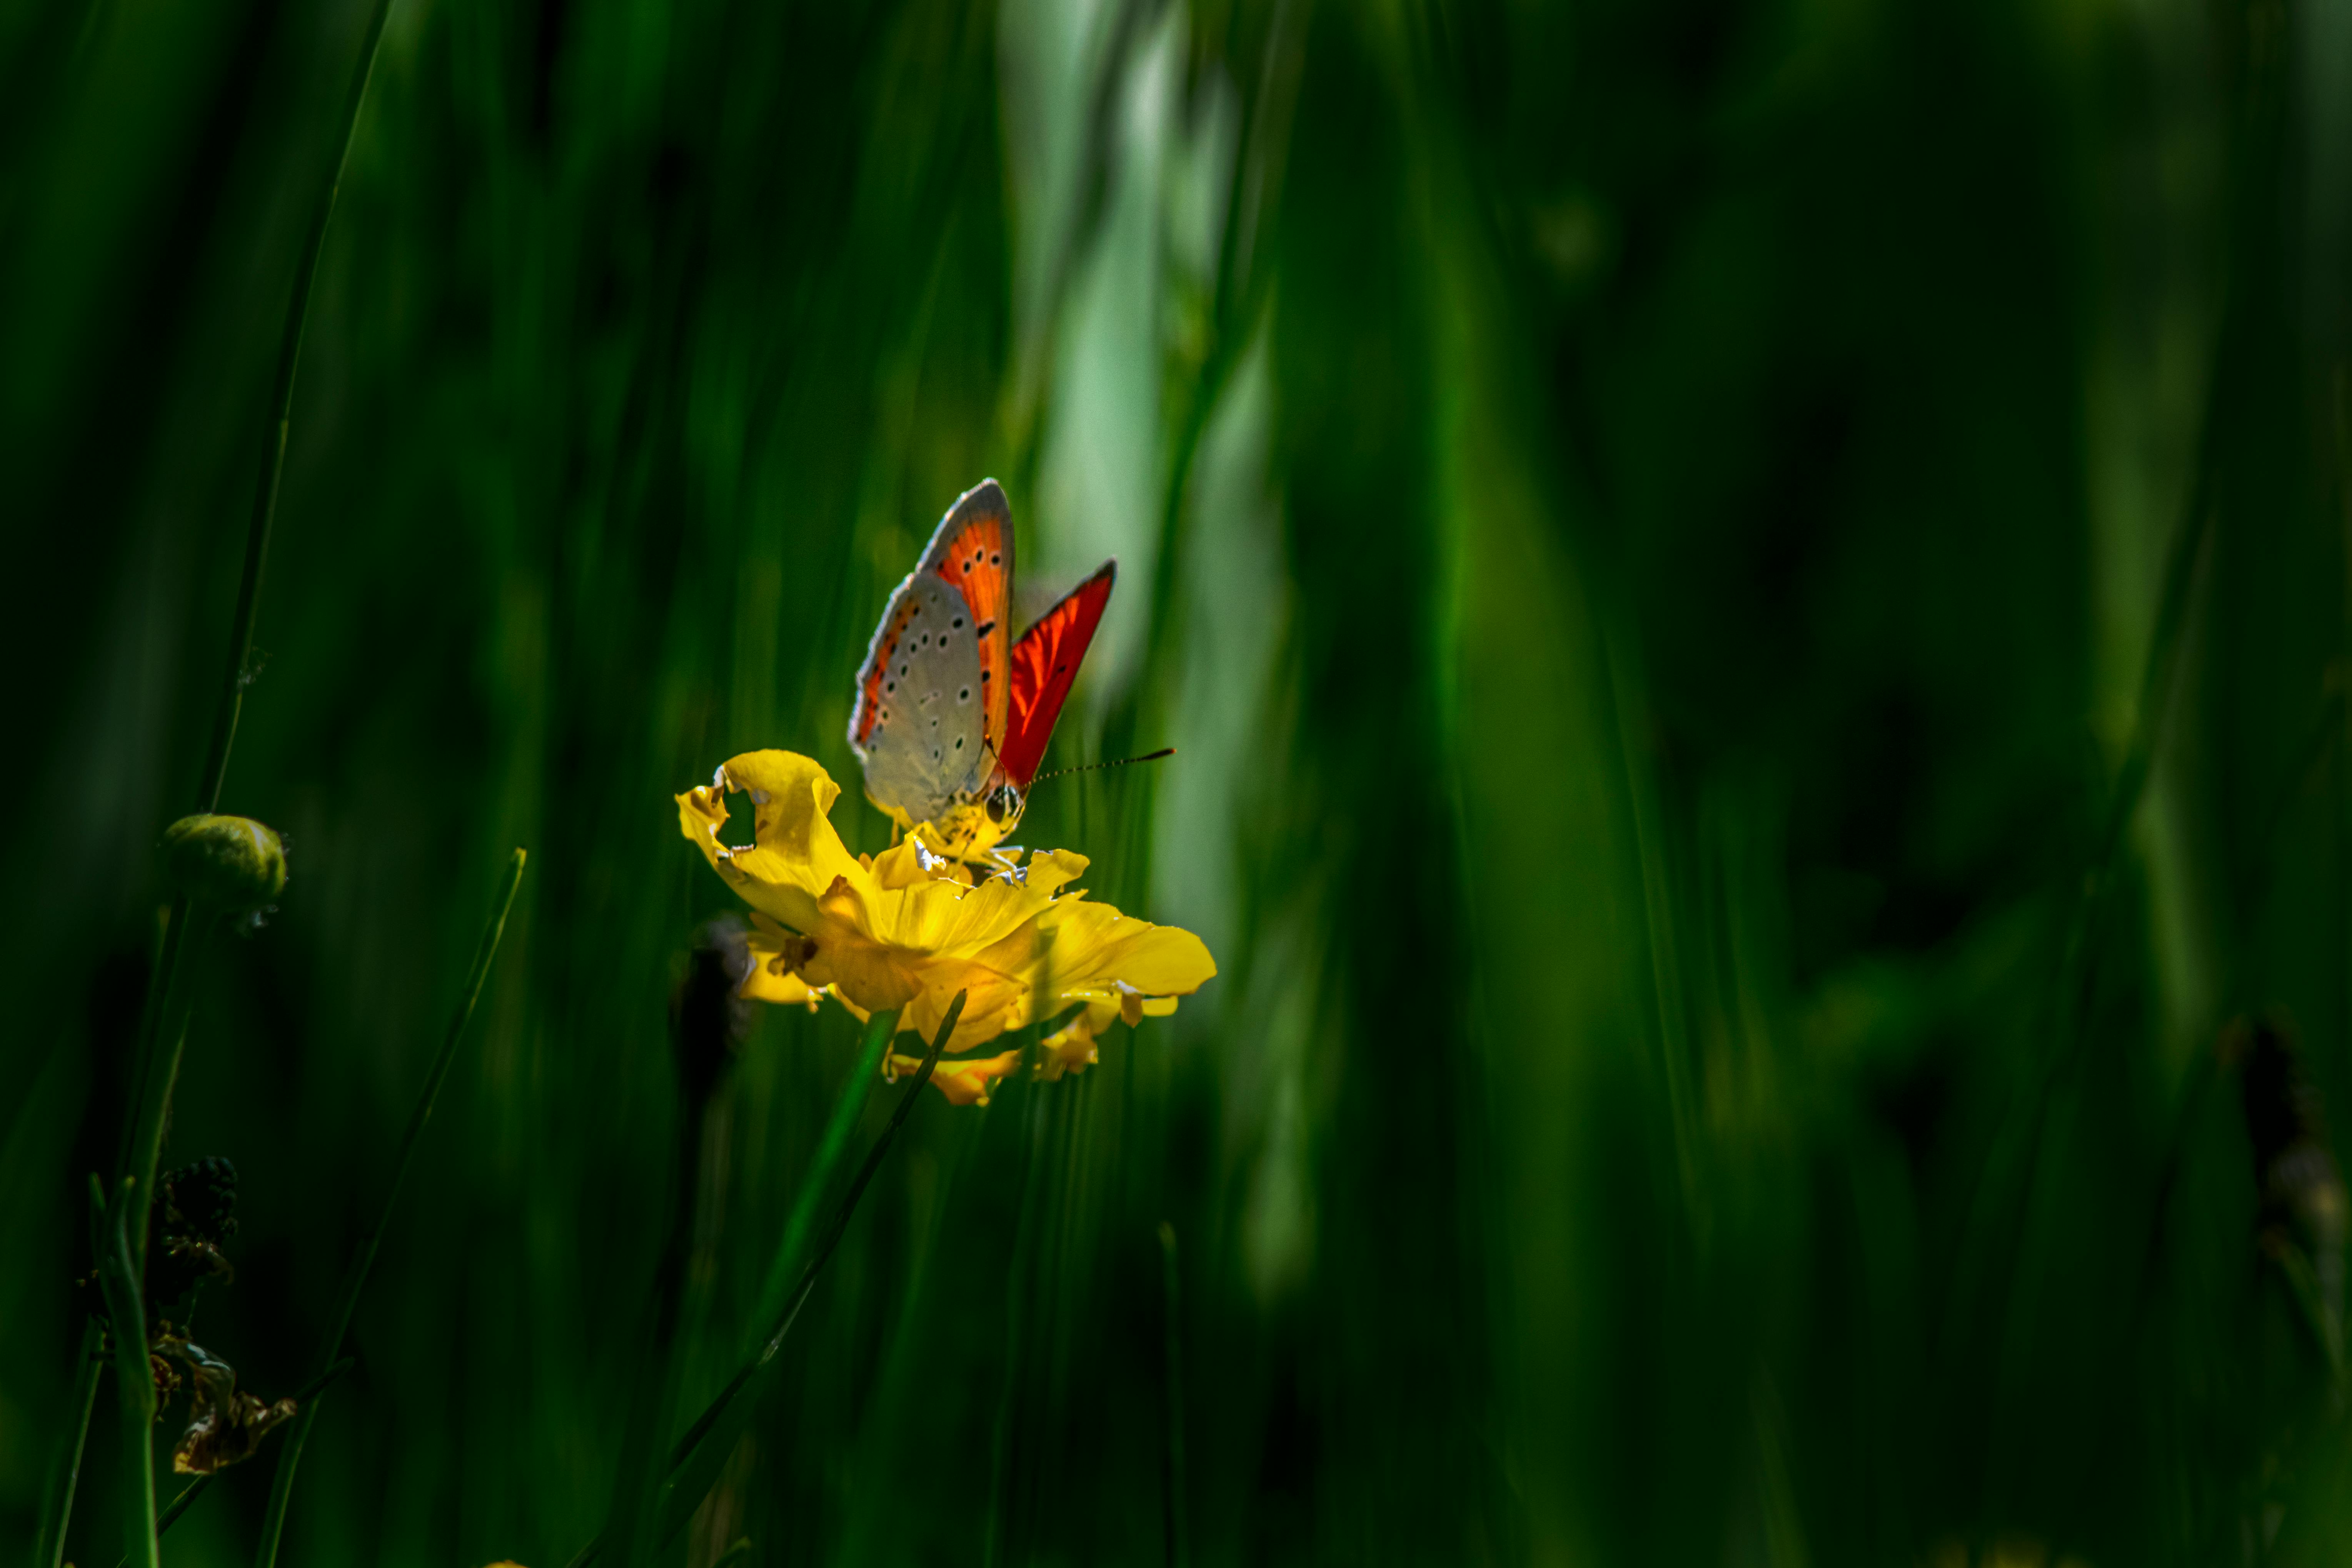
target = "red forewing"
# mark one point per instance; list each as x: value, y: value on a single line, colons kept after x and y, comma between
x: 1044, y: 662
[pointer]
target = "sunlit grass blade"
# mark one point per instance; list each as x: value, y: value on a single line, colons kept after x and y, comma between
x: 289, y: 1453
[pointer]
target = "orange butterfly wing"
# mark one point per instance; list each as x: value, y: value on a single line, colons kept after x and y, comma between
x: 1045, y: 663
x: 877, y: 663
x: 972, y: 552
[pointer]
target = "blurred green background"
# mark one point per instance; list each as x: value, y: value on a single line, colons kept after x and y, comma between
x: 1753, y: 599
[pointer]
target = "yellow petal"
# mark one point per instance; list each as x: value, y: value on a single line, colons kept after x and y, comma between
x: 1071, y: 1048
x: 963, y: 1083
x: 1097, y: 954
x: 794, y: 855
x: 993, y: 1001
x: 874, y: 975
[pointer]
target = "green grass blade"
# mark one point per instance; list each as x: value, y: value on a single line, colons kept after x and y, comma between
x: 117, y: 1273
x: 272, y: 465
x: 65, y: 1472
x: 164, y: 1036
x: 1180, y: 1551
x: 792, y: 1250
x: 702, y: 1452
x: 290, y: 1455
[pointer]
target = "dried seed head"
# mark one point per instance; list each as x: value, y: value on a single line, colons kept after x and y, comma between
x: 201, y: 1198
x: 194, y: 1213
x: 232, y: 865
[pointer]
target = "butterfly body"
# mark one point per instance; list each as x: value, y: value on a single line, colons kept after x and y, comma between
x: 952, y: 713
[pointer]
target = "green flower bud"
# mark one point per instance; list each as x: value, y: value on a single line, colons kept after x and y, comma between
x: 230, y: 864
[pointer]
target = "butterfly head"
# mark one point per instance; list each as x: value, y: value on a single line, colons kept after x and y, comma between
x: 972, y: 829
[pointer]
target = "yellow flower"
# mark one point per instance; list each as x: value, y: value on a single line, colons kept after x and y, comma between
x: 907, y: 929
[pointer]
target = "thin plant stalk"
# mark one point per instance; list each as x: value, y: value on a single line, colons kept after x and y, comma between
x: 290, y: 1453
x: 118, y: 1274
x: 702, y: 1450
x: 791, y: 1251
x: 65, y: 1470
x: 271, y: 467
x: 146, y: 1125
x: 165, y: 1027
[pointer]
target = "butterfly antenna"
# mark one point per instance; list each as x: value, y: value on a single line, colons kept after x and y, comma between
x: 1118, y: 763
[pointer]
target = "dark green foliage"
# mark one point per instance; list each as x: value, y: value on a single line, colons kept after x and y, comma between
x: 1753, y: 603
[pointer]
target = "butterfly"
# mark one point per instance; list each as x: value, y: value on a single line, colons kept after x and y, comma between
x: 952, y: 712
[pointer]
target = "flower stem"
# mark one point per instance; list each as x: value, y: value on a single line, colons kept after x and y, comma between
x: 702, y: 1452
x: 290, y: 1453
x: 65, y: 1471
x: 271, y: 467
x: 793, y: 1250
